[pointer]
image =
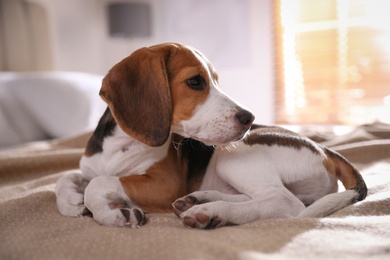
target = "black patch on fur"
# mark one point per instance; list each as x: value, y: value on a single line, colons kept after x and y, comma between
x: 105, y: 128
x: 197, y: 156
x: 273, y: 135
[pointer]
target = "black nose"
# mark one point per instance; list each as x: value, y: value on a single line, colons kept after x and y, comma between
x: 245, y: 117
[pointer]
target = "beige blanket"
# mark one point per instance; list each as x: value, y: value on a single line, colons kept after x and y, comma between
x: 32, y: 228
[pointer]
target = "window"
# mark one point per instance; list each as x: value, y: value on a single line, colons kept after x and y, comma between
x: 332, y: 61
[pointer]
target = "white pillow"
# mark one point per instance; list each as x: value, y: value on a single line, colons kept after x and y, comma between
x: 36, y: 105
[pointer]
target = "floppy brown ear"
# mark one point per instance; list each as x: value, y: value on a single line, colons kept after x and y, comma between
x: 137, y: 93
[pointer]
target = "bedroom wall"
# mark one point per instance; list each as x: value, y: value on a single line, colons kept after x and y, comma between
x: 236, y: 35
x: 25, y: 42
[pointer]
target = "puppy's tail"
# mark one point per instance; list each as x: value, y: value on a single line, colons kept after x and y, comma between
x: 356, y: 189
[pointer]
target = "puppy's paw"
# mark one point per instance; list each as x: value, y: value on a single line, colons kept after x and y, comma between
x: 69, y: 192
x: 135, y: 218
x: 121, y: 215
x: 72, y: 205
x: 183, y: 204
x: 199, y: 217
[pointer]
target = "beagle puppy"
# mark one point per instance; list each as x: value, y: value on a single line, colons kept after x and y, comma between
x: 142, y: 155
x: 167, y: 124
x: 271, y: 173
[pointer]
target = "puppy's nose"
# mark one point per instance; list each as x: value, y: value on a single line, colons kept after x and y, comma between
x: 245, y: 117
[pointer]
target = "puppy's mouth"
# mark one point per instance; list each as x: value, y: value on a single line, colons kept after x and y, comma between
x: 216, y: 136
x: 223, y: 140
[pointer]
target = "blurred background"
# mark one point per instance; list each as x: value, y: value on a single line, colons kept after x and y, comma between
x: 297, y: 62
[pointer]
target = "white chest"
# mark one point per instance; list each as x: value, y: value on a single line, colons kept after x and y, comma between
x: 122, y: 156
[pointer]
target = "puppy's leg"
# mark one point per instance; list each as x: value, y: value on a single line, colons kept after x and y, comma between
x: 201, y: 197
x: 70, y: 194
x: 110, y: 206
x: 270, y: 202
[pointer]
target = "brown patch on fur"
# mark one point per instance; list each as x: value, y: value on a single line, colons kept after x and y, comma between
x: 180, y: 173
x: 163, y: 182
x: 137, y: 92
x: 345, y: 172
x: 184, y: 99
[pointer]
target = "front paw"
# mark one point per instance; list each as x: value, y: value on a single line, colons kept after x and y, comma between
x: 122, y: 215
x: 199, y: 210
x: 69, y: 192
x: 183, y: 204
x: 200, y: 218
x: 72, y: 205
x: 135, y: 218
x: 194, y: 215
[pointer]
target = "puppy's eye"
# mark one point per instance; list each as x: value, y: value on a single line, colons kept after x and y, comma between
x: 196, y: 83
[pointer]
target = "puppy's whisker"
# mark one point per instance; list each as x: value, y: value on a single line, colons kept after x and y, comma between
x: 177, y: 145
x: 229, y: 147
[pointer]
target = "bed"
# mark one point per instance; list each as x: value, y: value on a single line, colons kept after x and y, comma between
x: 32, y: 228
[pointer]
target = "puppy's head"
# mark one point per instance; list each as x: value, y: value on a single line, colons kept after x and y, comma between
x: 172, y: 87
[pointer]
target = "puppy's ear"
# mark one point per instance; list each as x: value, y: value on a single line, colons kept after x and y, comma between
x: 137, y: 93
